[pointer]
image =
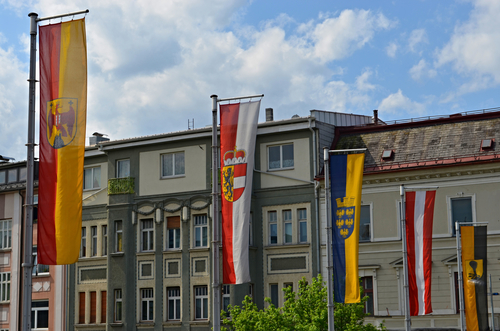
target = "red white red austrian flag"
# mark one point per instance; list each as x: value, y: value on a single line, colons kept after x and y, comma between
x: 238, y: 123
x: 419, y: 220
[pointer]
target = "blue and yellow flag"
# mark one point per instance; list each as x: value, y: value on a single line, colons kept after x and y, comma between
x: 346, y: 173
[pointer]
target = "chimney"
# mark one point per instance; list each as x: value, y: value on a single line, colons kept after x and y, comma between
x: 375, y: 116
x: 269, y: 115
x: 97, y: 138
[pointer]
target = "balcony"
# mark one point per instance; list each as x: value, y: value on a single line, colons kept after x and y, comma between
x: 121, y: 185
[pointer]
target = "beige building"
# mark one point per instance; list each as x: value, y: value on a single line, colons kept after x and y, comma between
x: 457, y: 153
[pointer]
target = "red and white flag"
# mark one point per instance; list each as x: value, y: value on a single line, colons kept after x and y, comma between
x: 238, y: 129
x: 419, y: 216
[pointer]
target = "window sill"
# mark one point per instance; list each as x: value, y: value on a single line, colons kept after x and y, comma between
x: 172, y: 323
x: 6, y: 250
x: 279, y: 246
x: 172, y: 177
x: 200, y: 322
x: 172, y: 251
x: 145, y: 253
x: 115, y: 324
x: 280, y: 169
x: 5, y: 302
x: 199, y: 249
x: 145, y: 324
x: 91, y: 189
x: 41, y: 275
x: 117, y: 254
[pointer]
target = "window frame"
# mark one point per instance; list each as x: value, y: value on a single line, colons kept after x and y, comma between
x: 281, y: 167
x: 3, y: 176
x: 273, y: 223
x: 200, y: 231
x: 274, y: 292
x: 93, y: 241
x: 202, y: 298
x: 5, y: 234
x: 299, y: 228
x: 460, y: 196
x: 226, y: 298
x: 5, y: 282
x: 177, y: 244
x: 93, y: 187
x: 371, y: 298
x: 147, y: 240
x: 118, y: 236
x: 104, y: 240
x: 148, y: 302
x: 83, y: 243
x: 118, y: 170
x: 118, y: 306
x: 174, y: 156
x: 37, y: 266
x: 174, y: 300
x: 287, y: 222
x: 34, y: 313
x: 370, y: 227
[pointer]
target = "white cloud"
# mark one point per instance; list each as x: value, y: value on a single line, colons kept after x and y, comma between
x: 399, y: 103
x: 362, y: 81
x: 391, y: 49
x: 473, y: 50
x: 338, y: 37
x: 421, y: 70
x: 417, y: 37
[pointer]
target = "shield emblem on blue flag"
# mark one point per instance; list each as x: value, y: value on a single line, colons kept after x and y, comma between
x: 344, y: 217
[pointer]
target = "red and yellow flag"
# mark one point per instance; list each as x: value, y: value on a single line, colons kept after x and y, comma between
x: 63, y: 107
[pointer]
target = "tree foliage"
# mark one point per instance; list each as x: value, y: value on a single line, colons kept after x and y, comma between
x: 306, y: 310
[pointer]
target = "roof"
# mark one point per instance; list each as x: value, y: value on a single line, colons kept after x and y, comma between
x: 429, y: 143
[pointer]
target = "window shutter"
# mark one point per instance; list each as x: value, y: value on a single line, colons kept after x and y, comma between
x: 81, y: 311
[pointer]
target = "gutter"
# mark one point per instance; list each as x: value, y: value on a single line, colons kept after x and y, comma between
x: 316, y: 197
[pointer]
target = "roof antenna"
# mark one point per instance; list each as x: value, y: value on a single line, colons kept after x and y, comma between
x: 191, y: 124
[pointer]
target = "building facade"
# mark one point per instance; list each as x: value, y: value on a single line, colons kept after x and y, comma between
x: 460, y: 155
x: 147, y: 225
x: 48, y: 282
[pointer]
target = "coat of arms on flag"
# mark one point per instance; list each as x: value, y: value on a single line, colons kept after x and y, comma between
x: 234, y: 174
x: 344, y: 218
x: 61, y: 121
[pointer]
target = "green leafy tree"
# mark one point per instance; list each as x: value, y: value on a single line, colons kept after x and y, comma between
x: 306, y: 310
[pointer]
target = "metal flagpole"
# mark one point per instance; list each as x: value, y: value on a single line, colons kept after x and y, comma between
x: 331, y: 322
x: 405, y: 260
x: 492, y: 308
x: 215, y: 219
x: 460, y: 278
x: 27, y: 265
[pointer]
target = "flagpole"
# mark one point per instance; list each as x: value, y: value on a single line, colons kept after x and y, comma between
x: 460, y: 279
x: 329, y: 247
x: 27, y: 265
x: 405, y: 260
x: 215, y: 219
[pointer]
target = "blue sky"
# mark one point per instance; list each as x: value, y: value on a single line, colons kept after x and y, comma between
x: 153, y: 65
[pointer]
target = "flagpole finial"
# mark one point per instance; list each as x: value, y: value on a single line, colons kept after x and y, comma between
x: 213, y: 96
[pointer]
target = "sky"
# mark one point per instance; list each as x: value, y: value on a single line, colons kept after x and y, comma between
x: 153, y: 65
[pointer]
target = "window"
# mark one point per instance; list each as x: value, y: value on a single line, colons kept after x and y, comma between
x: 461, y: 211
x: 118, y: 237
x: 147, y: 235
x: 81, y: 309
x: 200, y: 231
x: 93, y: 235
x: 250, y: 290
x: 40, y: 314
x: 83, y: 247
x: 104, y: 240
x: 174, y: 303
x: 287, y: 226
x: 123, y: 168
x: 280, y: 157
x: 147, y: 302
x: 367, y: 284
x: 364, y: 224
x: 23, y: 174
x: 226, y: 298
x: 3, y: 179
x: 4, y: 286
x: 5, y: 234
x: 302, y: 219
x: 118, y: 305
x: 274, y: 294
x: 173, y: 232
x: 103, y: 306
x: 273, y: 227
x: 172, y: 164
x: 201, y: 302
x: 145, y: 270
x: 286, y: 285
x: 93, y: 303
x: 12, y: 176
x: 38, y: 269
x: 91, y: 178
x: 35, y: 208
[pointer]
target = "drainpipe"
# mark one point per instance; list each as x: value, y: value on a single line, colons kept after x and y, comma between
x: 316, y: 197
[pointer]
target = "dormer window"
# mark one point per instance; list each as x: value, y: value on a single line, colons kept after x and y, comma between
x: 487, y: 144
x: 387, y: 154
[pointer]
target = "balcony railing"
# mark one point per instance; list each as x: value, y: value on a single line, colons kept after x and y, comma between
x: 121, y: 185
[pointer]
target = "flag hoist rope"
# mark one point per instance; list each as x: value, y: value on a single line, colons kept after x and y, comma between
x: 216, y: 286
x: 27, y: 265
